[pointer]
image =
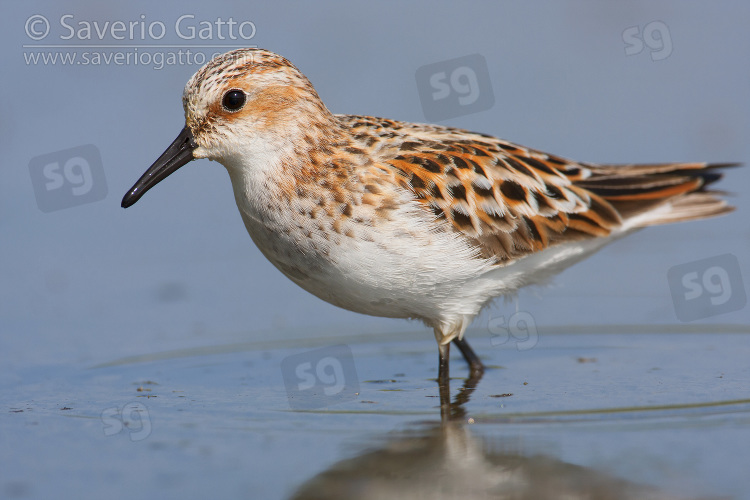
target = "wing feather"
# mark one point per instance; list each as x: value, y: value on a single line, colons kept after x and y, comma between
x: 512, y: 200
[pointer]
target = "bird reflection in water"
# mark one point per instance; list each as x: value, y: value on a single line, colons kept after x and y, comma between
x: 444, y: 460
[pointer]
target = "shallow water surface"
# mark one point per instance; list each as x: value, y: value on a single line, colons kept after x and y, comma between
x: 581, y: 415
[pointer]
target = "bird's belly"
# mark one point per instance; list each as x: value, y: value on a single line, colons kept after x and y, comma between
x: 391, y: 273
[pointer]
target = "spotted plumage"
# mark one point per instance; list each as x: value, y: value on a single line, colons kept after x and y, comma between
x: 513, y: 200
x: 408, y: 220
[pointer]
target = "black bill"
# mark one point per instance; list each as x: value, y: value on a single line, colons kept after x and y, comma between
x: 179, y: 153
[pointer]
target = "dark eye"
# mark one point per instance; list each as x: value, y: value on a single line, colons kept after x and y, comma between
x: 233, y: 100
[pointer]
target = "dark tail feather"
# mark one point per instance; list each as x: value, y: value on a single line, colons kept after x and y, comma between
x: 635, y: 190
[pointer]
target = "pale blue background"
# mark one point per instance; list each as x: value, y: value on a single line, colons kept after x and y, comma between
x: 178, y: 267
x: 94, y: 283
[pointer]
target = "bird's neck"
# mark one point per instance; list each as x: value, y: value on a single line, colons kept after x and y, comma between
x: 277, y: 167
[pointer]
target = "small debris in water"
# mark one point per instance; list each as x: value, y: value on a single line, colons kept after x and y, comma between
x: 586, y: 360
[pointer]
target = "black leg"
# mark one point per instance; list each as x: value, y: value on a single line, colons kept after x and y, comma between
x: 455, y: 410
x: 475, y: 365
x: 444, y: 386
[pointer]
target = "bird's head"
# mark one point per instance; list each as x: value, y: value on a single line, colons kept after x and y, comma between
x: 242, y: 108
